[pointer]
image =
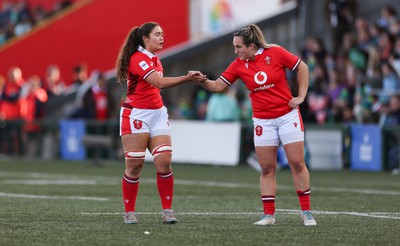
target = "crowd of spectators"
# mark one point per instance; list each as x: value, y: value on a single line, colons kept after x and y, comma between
x: 25, y: 104
x: 355, y: 82
x: 18, y: 17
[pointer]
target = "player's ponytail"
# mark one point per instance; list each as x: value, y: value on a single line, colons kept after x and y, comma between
x: 130, y: 46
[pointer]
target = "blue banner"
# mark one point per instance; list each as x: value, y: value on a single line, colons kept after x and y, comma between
x: 366, y: 148
x: 72, y: 132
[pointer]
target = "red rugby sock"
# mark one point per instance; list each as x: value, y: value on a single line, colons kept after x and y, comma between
x: 165, y: 185
x: 268, y: 204
x: 304, y: 199
x: 129, y: 192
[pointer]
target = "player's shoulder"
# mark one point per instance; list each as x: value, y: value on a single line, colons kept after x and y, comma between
x: 274, y: 48
x: 140, y: 59
x: 277, y: 50
x: 139, y: 56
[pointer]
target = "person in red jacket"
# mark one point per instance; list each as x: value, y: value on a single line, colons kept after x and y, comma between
x: 276, y: 114
x: 10, y: 111
x: 33, y: 99
x: 143, y: 116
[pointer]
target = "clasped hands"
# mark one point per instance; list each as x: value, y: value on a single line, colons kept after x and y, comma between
x: 197, y: 76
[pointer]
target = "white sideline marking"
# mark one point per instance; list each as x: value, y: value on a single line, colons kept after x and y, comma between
x: 59, y: 179
x: 287, y: 211
x: 2, y: 194
x: 50, y: 182
x: 38, y: 175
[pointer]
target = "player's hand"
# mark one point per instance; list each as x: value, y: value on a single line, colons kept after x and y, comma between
x: 197, y: 76
x: 192, y: 73
x: 296, y: 101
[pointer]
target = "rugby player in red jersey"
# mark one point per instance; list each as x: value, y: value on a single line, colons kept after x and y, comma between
x: 144, y: 118
x: 276, y: 114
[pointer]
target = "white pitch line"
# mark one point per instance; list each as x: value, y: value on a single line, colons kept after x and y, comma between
x: 37, y: 175
x: 99, y: 180
x: 2, y: 194
x: 50, y: 182
x: 363, y: 191
x: 372, y: 214
x: 288, y: 211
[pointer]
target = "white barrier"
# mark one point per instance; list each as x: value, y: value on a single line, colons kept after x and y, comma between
x: 199, y: 142
x: 325, y: 148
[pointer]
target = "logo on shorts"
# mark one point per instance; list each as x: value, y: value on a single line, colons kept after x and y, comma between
x: 295, y: 124
x: 137, y: 124
x: 258, y: 130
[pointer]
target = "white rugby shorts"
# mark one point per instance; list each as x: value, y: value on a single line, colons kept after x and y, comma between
x: 288, y: 128
x: 153, y: 121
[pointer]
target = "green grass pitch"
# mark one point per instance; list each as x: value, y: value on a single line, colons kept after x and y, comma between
x: 75, y: 203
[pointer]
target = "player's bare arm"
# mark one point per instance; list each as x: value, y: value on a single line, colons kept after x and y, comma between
x: 303, y: 77
x: 160, y: 82
x: 214, y: 85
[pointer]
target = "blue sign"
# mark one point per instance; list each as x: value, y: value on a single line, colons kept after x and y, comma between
x: 72, y: 132
x: 366, y: 148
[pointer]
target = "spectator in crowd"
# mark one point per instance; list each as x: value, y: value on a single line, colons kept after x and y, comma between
x: 18, y: 17
x: 23, y: 26
x: 2, y: 84
x: 353, y: 53
x: 385, y: 46
x: 341, y: 16
x: 53, y: 82
x: 394, y: 58
x: 39, y: 13
x: 223, y: 107
x: 185, y: 109
x: 390, y: 82
x: 103, y: 100
x: 11, y: 94
x: 392, y: 118
x: 201, y: 97
x: 79, y: 74
x: 10, y: 110
x: 33, y: 98
x: 84, y: 107
x: 387, y: 18
x: 318, y: 102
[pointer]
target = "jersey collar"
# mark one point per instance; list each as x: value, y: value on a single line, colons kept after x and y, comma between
x: 259, y: 51
x: 144, y: 51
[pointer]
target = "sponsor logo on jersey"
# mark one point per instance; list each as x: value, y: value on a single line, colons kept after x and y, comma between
x: 259, y: 130
x: 264, y: 87
x: 144, y: 65
x: 260, y: 77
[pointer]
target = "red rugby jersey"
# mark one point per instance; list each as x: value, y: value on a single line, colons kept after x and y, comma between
x: 265, y: 78
x: 140, y: 93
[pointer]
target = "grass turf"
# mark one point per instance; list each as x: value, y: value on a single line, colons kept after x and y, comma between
x: 74, y: 203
